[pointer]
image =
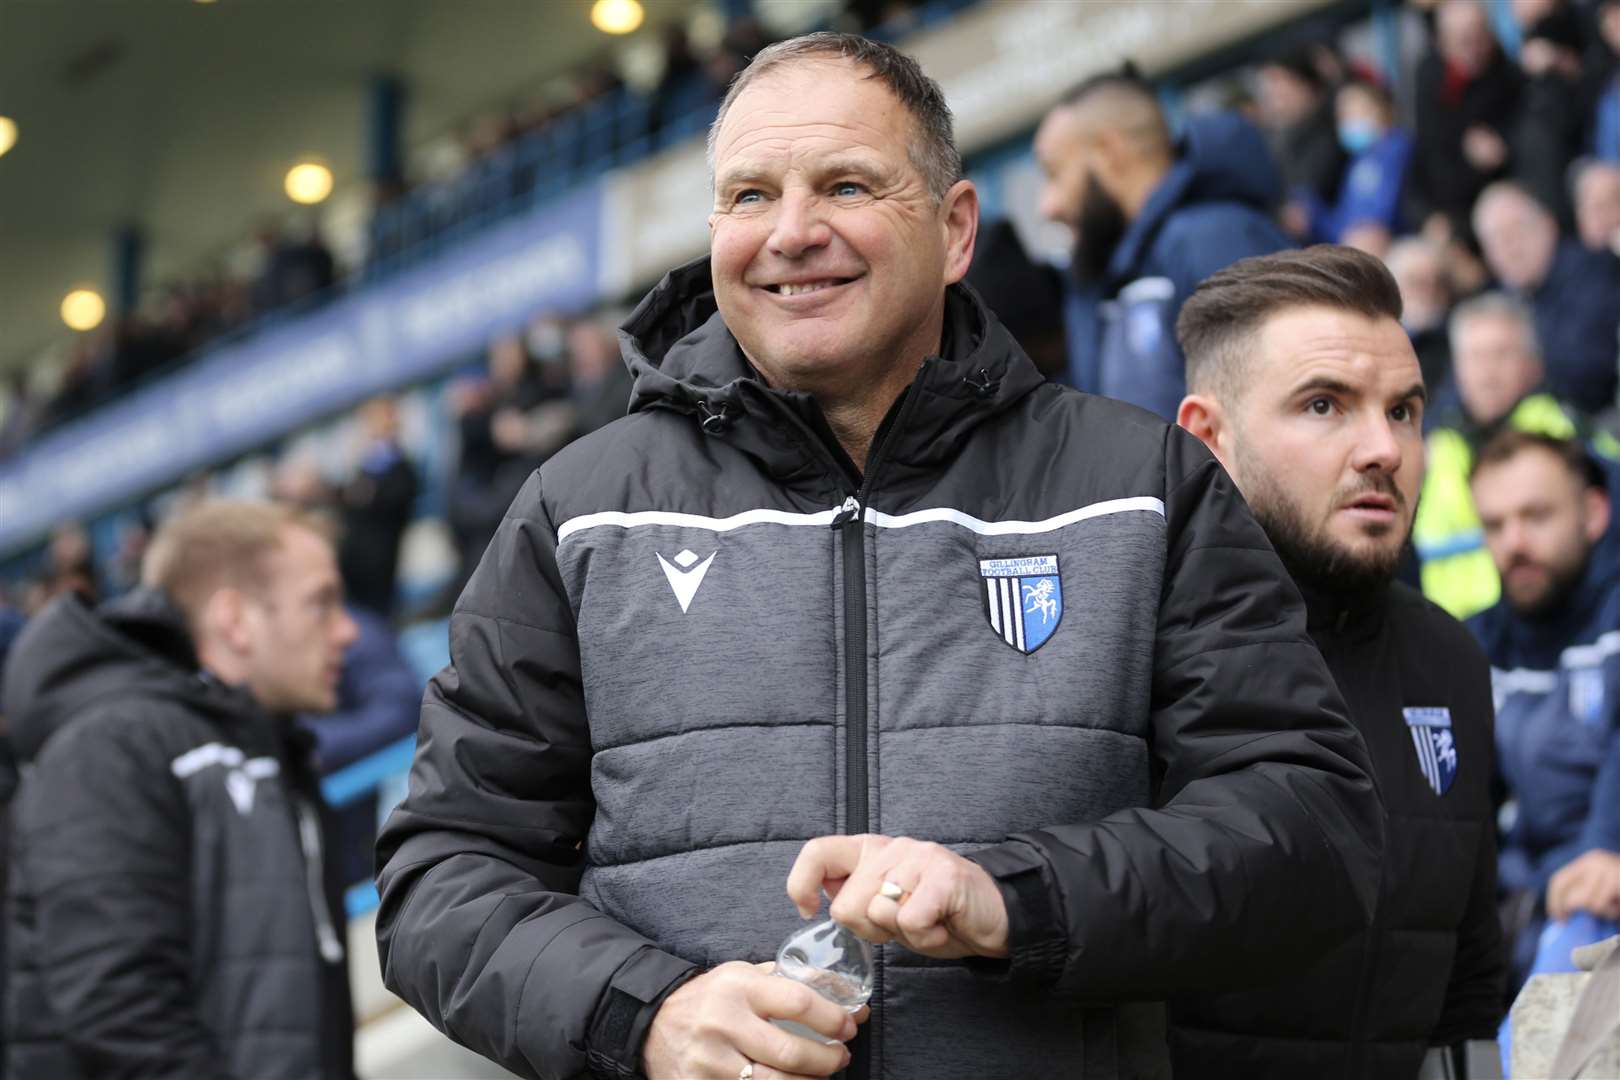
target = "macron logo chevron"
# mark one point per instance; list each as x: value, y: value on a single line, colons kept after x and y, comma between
x: 685, y: 577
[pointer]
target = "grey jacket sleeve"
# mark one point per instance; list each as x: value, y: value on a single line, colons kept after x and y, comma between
x: 1266, y: 840
x: 481, y: 927
x: 103, y: 838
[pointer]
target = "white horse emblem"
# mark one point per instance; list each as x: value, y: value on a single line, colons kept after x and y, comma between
x: 1038, y: 597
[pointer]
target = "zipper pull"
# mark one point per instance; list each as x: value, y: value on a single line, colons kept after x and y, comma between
x: 850, y: 511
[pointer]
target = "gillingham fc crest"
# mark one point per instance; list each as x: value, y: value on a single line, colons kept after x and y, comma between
x: 1023, y: 599
x: 1436, y: 746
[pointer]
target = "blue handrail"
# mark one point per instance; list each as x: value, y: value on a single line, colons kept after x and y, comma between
x: 353, y: 782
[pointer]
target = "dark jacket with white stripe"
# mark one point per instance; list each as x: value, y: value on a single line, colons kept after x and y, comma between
x: 1430, y: 971
x: 168, y: 914
x: 700, y: 639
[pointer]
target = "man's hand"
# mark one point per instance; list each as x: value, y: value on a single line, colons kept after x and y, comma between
x: 1589, y: 883
x: 948, y: 907
x: 720, y: 1021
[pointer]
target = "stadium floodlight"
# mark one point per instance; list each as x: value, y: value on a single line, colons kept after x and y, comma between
x: 308, y: 183
x: 8, y: 134
x: 83, y: 309
x: 617, y: 16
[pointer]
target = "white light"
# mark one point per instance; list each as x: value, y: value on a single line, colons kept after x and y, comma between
x: 83, y: 309
x: 308, y: 183
x: 8, y: 134
x: 617, y: 16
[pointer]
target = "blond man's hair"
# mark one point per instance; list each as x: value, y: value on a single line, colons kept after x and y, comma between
x: 219, y: 544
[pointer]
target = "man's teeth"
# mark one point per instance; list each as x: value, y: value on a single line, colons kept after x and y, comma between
x: 810, y: 287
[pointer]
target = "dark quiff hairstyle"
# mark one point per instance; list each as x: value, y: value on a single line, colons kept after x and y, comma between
x: 1220, y: 320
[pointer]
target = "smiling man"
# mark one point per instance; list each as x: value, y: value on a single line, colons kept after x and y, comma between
x: 853, y: 601
x: 1305, y: 385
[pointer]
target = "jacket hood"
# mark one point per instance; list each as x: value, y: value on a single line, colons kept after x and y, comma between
x: 685, y: 359
x: 1222, y: 158
x: 70, y: 656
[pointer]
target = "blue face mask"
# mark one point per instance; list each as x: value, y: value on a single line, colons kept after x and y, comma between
x: 1358, y: 137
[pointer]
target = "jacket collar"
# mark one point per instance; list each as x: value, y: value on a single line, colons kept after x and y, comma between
x: 685, y: 359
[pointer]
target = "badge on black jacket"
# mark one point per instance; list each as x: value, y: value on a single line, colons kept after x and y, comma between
x: 1436, y: 746
x: 1023, y: 599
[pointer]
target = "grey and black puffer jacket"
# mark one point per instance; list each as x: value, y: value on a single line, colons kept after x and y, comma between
x: 1042, y: 628
x: 171, y: 915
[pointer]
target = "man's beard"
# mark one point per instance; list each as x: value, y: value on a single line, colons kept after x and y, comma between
x: 1561, y: 582
x: 1316, y: 560
x: 1101, y: 227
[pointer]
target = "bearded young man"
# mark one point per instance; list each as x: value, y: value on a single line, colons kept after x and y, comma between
x: 1306, y: 387
x: 1545, y: 507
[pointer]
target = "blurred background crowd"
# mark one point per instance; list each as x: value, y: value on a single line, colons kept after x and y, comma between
x: 334, y: 351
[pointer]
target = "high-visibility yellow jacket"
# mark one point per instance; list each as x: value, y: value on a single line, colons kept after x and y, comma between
x: 1457, y: 571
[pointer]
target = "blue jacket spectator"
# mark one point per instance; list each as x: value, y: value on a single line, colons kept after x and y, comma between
x: 1574, y: 292
x: 1371, y: 191
x: 1152, y: 218
x: 1554, y: 649
x: 379, y: 698
x: 379, y: 702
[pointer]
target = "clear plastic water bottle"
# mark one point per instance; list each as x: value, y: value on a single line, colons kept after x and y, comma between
x: 831, y: 961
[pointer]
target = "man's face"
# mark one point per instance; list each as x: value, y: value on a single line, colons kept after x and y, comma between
x: 1494, y: 365
x: 1540, y: 524
x: 1072, y: 194
x: 1284, y: 98
x: 1597, y: 207
x: 1464, y: 35
x: 1425, y: 291
x: 295, y: 627
x: 828, y: 250
x: 1326, y: 445
x: 1519, y: 238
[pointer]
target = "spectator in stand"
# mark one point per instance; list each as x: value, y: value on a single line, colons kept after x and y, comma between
x: 293, y: 269
x: 1550, y: 125
x: 172, y: 913
x: 1025, y: 294
x: 379, y: 701
x: 1298, y: 113
x: 1606, y: 133
x: 1419, y: 269
x: 1497, y: 367
x: 491, y: 417
x: 1574, y: 293
x: 1366, y: 212
x: 1597, y: 205
x: 1151, y: 219
x: 1467, y: 95
x: 378, y: 695
x: 599, y: 381
x: 376, y: 508
x: 1545, y: 506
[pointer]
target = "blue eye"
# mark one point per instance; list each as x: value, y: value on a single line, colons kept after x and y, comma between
x: 847, y: 187
x: 747, y: 196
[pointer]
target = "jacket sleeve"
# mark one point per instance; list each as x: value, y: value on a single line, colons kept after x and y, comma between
x: 1266, y: 842
x: 103, y: 843
x: 1602, y: 828
x: 1473, y: 1005
x: 481, y: 927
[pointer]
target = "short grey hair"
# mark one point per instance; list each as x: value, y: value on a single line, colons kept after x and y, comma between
x: 1494, y: 305
x: 933, y: 149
